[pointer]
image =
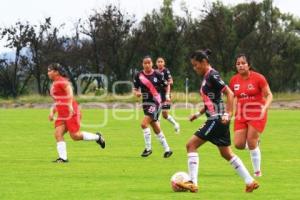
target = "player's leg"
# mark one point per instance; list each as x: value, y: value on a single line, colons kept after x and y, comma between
x: 193, y: 158
x: 73, y: 126
x: 239, y: 167
x: 61, y: 146
x: 161, y: 138
x: 165, y: 114
x: 147, y: 135
x: 168, y: 117
x: 255, y: 154
x: 193, y: 163
x: 240, y: 138
x: 87, y: 136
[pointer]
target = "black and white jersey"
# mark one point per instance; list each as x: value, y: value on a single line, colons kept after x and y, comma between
x: 150, y: 85
x: 167, y: 76
x: 211, y: 91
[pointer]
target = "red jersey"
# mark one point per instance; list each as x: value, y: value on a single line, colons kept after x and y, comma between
x: 248, y: 90
x: 249, y: 101
x: 59, y: 94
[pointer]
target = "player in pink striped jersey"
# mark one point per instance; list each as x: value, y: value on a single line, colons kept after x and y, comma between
x: 148, y: 83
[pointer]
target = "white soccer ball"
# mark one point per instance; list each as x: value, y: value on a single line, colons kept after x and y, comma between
x: 179, y: 177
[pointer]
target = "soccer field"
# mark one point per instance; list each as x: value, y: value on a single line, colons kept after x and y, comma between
x: 27, y: 148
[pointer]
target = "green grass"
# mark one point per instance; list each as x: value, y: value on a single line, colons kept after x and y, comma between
x: 27, y: 146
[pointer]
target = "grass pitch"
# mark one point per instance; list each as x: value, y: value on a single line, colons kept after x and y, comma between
x: 27, y: 148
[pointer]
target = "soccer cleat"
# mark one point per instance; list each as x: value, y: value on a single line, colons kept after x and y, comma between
x: 177, y: 128
x: 189, y: 185
x: 167, y: 154
x: 252, y: 186
x: 146, y: 153
x: 101, y: 140
x: 60, y: 160
x: 257, y: 174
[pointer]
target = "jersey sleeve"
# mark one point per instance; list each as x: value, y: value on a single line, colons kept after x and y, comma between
x: 231, y: 84
x: 217, y: 82
x: 136, y: 81
x: 60, y: 84
x: 262, y: 82
x: 162, y: 79
x: 168, y: 75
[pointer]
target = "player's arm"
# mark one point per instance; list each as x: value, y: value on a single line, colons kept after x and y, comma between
x: 70, y: 96
x: 52, y: 113
x: 170, y: 82
x: 164, y: 85
x: 136, y: 86
x: 197, y: 114
x: 268, y: 96
x: 137, y: 92
x: 168, y: 89
x: 229, y: 105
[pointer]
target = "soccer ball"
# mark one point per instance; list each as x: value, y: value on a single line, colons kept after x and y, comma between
x: 179, y: 177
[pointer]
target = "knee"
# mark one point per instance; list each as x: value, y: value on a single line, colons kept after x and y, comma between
x: 190, y: 147
x: 252, y: 145
x: 165, y: 115
x: 59, y: 137
x: 143, y: 125
x: 76, y: 136
x: 239, y: 145
x: 227, y: 155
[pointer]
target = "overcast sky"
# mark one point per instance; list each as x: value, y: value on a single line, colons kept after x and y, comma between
x: 68, y: 11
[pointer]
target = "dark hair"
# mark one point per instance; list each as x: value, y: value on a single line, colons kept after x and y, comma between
x: 146, y: 56
x: 160, y: 57
x: 57, y: 67
x: 247, y: 58
x: 199, y: 55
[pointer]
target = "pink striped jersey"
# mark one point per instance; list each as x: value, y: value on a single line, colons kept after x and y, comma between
x: 150, y: 85
x: 211, y: 92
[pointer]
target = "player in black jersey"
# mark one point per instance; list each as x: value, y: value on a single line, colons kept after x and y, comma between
x: 216, y: 128
x: 166, y: 100
x: 148, y: 83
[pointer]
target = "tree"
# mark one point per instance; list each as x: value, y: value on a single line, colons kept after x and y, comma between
x: 109, y: 32
x: 17, y: 38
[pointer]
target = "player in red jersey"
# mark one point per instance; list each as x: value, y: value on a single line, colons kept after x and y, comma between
x: 253, y: 98
x: 216, y: 128
x: 148, y: 83
x: 68, y: 114
x: 166, y: 99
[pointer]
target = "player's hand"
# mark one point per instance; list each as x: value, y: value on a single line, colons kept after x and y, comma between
x: 225, y: 118
x: 194, y: 116
x: 71, y: 110
x: 263, y: 110
x: 51, y: 117
x: 138, y: 93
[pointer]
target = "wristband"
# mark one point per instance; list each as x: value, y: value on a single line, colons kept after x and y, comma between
x: 197, y: 114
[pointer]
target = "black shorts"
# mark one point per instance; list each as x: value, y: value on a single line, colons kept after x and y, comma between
x: 166, y: 106
x: 215, y: 132
x: 152, y: 110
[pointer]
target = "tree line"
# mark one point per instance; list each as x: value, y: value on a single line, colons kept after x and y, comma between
x: 112, y: 42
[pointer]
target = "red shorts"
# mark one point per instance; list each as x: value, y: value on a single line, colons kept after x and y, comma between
x: 72, y: 123
x: 253, y: 119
